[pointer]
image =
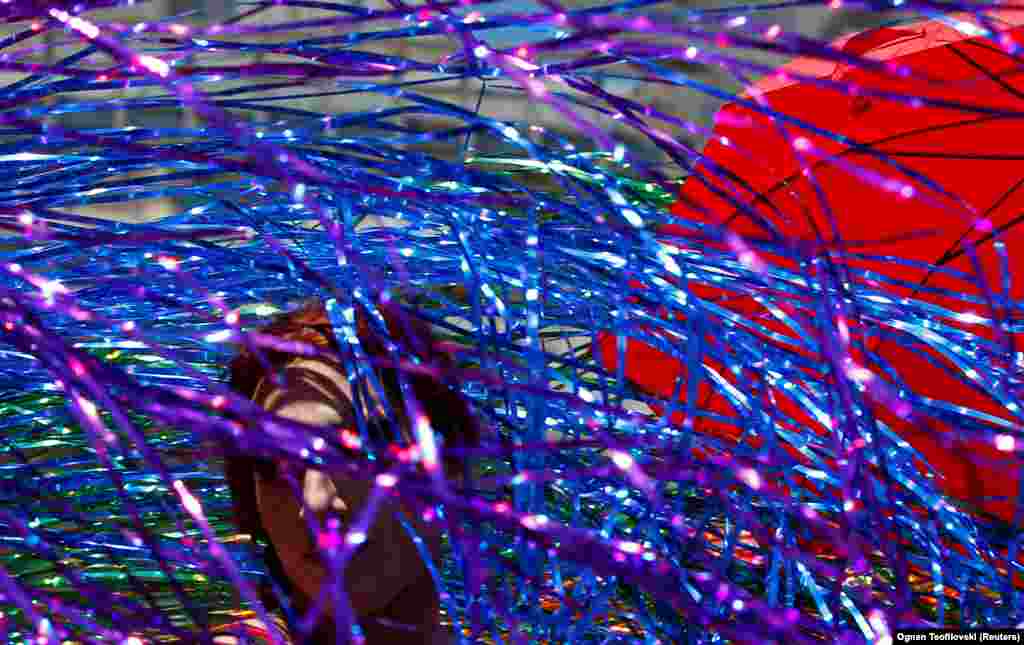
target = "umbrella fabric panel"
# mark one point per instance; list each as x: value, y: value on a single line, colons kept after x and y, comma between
x: 908, y: 182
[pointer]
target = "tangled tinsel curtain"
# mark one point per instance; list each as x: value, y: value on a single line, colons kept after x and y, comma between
x: 599, y: 510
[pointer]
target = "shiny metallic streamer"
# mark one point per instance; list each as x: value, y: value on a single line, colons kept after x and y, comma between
x: 591, y: 519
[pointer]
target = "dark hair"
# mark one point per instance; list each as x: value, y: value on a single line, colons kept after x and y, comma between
x: 450, y: 414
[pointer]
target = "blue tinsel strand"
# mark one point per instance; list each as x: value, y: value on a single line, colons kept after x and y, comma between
x: 594, y: 521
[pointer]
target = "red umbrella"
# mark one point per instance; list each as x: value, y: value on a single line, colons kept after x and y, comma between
x: 874, y: 187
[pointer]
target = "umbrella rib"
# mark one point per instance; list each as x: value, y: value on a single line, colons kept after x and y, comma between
x: 988, y: 45
x: 956, y: 251
x: 987, y: 72
x: 765, y: 196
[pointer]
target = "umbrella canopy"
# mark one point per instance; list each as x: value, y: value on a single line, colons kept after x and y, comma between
x: 924, y: 170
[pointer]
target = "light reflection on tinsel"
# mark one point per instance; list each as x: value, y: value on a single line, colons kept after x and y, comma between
x: 609, y: 530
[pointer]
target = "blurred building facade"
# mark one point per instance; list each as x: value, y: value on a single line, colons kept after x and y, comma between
x: 496, y: 99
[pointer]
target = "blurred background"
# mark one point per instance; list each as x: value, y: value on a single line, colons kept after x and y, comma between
x: 495, y: 98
